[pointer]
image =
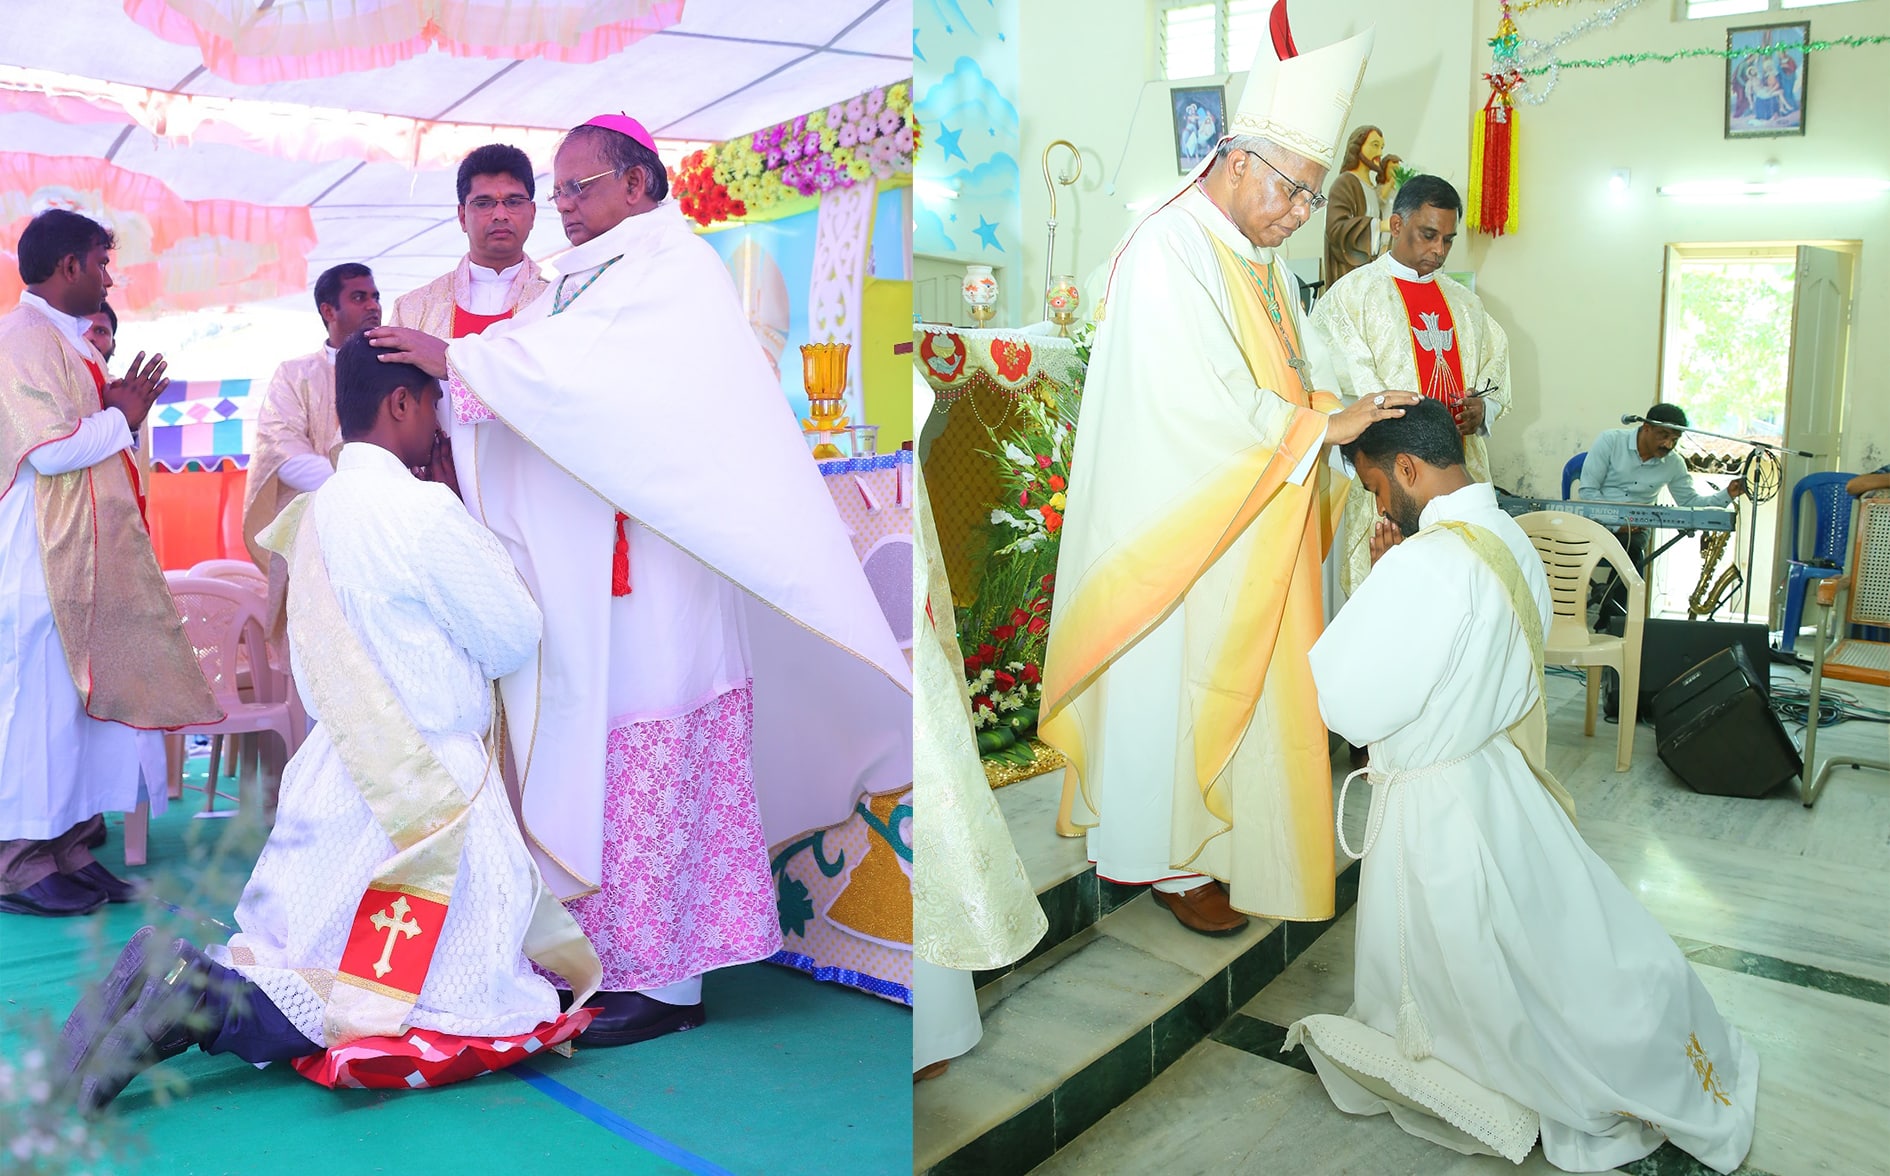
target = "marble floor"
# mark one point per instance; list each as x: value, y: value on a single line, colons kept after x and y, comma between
x: 1784, y: 911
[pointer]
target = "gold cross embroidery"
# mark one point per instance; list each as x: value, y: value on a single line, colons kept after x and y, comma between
x: 1709, y: 1081
x: 399, y: 925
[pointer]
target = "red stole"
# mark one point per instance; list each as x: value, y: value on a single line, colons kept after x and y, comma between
x: 131, y: 466
x: 465, y: 322
x: 1433, y: 337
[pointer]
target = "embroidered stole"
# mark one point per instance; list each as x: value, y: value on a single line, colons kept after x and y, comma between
x: 1433, y: 342
x: 1530, y: 733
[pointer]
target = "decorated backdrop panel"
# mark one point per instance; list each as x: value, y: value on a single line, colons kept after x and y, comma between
x: 198, y: 424
x: 773, y: 267
x: 968, y: 205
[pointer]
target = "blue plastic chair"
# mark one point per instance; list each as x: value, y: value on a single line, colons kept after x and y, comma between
x: 1833, y: 509
x: 1572, y: 471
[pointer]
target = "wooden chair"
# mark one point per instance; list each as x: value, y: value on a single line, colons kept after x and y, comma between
x: 1861, y: 596
x: 1572, y: 547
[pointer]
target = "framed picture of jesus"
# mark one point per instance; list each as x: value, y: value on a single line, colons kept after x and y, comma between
x: 1200, y: 116
x: 1765, y: 80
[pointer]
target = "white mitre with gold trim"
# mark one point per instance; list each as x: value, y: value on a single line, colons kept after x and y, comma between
x: 1301, y: 102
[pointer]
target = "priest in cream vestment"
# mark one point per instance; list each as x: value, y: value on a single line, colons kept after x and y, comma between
x: 1506, y: 982
x: 716, y: 675
x: 973, y: 907
x: 1400, y: 322
x: 495, y: 278
x: 1199, y: 515
x: 94, y: 660
x: 297, y: 436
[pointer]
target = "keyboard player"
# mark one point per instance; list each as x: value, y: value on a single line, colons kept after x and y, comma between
x: 1634, y: 464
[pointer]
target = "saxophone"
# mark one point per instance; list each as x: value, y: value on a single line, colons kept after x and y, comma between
x: 1706, y: 601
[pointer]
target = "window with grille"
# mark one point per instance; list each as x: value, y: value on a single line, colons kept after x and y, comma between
x: 1200, y: 38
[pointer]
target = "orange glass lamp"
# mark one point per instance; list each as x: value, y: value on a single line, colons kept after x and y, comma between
x: 824, y: 373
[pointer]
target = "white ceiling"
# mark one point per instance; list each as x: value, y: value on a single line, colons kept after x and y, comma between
x: 728, y: 67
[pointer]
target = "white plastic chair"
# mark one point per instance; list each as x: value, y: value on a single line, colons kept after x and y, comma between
x: 237, y: 571
x: 225, y: 624
x: 1571, y: 546
x: 888, y: 568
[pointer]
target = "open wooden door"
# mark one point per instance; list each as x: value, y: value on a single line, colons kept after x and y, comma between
x: 1814, y: 396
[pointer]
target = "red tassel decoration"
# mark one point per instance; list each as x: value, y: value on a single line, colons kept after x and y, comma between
x: 620, y: 566
x: 1493, y: 163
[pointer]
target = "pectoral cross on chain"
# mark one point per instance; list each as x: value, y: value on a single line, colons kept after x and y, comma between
x: 399, y: 925
x: 1303, y: 370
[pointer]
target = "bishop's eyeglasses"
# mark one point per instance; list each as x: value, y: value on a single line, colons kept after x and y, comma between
x: 573, y: 190
x: 1313, y: 199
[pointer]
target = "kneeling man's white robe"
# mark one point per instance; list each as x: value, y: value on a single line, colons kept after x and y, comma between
x: 1489, y: 934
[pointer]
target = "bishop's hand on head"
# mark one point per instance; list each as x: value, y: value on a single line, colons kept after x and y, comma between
x: 1346, y: 424
x: 406, y: 345
x: 138, y: 390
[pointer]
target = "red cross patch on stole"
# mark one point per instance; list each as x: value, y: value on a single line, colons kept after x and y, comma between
x: 392, y: 938
x: 1433, y: 338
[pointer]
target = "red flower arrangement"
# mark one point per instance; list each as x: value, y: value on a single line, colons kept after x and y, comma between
x: 703, y: 199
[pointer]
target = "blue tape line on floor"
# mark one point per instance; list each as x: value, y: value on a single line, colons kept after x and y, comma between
x: 611, y: 1121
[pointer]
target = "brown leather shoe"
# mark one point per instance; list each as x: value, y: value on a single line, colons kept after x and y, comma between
x: 1204, y: 909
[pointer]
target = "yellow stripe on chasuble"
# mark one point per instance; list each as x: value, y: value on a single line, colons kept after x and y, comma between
x: 1145, y: 575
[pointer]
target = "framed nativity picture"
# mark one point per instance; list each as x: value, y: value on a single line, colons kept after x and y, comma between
x: 1200, y: 113
x: 1765, y: 80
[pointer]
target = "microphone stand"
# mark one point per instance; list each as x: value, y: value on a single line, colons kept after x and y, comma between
x: 1752, y: 535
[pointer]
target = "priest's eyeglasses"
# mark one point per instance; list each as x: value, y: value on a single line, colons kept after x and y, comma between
x: 1313, y: 199
x: 510, y: 203
x: 573, y: 190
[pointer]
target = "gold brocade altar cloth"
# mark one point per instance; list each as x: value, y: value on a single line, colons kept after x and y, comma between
x: 977, y: 377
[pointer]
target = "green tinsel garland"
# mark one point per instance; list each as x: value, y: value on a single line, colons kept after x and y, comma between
x: 1664, y: 58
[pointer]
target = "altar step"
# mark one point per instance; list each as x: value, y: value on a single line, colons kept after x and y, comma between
x: 1115, y: 993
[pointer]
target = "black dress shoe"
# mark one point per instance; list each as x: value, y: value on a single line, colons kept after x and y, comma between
x: 53, y: 896
x: 629, y: 1017
x: 114, y: 888
x: 162, y: 1023
x: 102, y: 1006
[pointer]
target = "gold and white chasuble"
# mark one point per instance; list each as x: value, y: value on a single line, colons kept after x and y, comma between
x: 395, y: 891
x: 297, y: 420
x: 1189, y: 575
x: 1377, y: 341
x: 431, y: 308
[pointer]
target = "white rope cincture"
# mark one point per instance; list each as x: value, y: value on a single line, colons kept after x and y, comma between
x: 1414, y: 1036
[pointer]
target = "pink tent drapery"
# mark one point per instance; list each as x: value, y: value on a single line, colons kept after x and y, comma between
x: 172, y: 254
x: 284, y: 130
x: 285, y: 42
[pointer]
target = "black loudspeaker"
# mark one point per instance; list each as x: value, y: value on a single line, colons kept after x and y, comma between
x: 1671, y: 648
x: 1716, y: 730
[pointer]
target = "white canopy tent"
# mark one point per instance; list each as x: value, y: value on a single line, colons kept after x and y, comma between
x: 725, y: 68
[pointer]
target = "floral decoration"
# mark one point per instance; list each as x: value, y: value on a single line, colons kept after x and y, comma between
x: 1007, y: 630
x: 868, y: 138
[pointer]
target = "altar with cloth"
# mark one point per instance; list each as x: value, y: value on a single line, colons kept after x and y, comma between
x: 977, y: 377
